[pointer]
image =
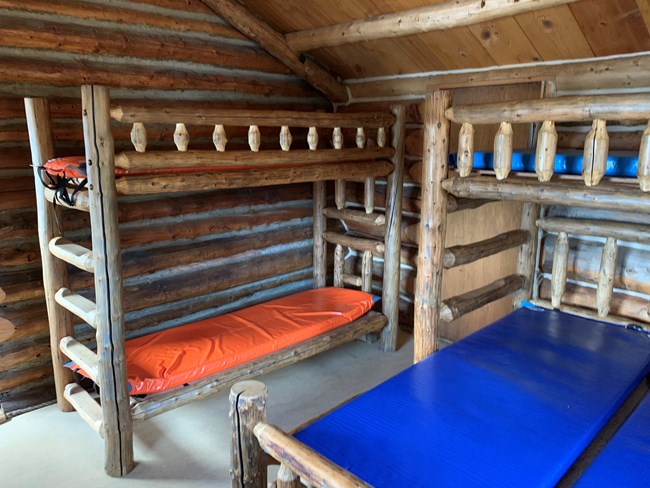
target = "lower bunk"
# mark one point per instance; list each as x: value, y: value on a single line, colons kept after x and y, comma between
x: 514, y: 404
x: 176, y: 366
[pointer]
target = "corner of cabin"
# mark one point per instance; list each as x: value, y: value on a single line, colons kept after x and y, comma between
x: 449, y: 160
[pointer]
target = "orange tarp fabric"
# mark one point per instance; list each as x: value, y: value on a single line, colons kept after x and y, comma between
x: 176, y: 356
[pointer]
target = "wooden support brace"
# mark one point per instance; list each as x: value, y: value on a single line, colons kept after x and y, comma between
x: 598, y: 228
x: 527, y: 257
x: 503, y: 151
x: 594, y: 162
x: 352, y: 280
x: 285, y: 138
x: 358, y: 243
x: 139, y: 137
x: 181, y: 137
x: 606, y: 277
x: 312, y: 138
x: 78, y: 305
x: 339, y: 260
x: 643, y: 168
x: 459, y: 255
x: 89, y: 410
x: 546, y: 149
x: 560, y: 262
x: 72, y: 253
x: 254, y: 138
x: 219, y: 138
x: 465, y: 162
x: 373, y: 219
x: 339, y: 194
x: 369, y: 194
x: 247, y: 409
x: 320, y: 224
x: 366, y: 272
x: 82, y: 356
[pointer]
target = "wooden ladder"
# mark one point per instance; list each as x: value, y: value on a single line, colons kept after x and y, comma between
x: 111, y: 418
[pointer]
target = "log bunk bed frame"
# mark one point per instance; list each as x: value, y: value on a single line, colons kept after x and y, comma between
x: 112, y: 417
x: 257, y: 444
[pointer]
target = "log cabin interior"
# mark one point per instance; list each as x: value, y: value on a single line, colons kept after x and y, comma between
x: 423, y: 224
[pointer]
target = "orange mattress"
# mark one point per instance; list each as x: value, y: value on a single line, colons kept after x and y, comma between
x: 176, y: 356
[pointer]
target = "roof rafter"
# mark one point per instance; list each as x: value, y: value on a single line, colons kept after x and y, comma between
x: 447, y: 15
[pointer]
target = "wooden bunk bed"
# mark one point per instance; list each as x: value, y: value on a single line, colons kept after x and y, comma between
x: 524, y: 401
x: 143, y: 172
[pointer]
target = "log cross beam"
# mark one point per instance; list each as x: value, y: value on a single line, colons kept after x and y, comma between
x: 440, y: 16
x: 275, y: 44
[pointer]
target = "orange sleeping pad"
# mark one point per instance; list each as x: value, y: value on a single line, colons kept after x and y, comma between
x: 176, y: 356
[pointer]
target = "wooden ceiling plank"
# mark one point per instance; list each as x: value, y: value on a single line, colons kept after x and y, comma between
x: 555, y: 33
x: 612, y: 26
x: 440, y: 16
x: 604, y: 73
x: 505, y: 41
x: 275, y: 43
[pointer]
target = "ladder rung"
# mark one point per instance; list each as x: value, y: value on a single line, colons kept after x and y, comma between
x: 72, y: 253
x: 87, y: 407
x: 80, y: 202
x: 80, y: 354
x: 78, y: 305
x: 353, y: 280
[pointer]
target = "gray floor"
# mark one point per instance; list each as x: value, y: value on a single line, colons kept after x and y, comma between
x: 190, y: 445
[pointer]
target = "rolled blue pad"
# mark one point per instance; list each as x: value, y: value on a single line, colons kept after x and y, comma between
x: 625, y: 460
x: 568, y: 162
x: 513, y: 404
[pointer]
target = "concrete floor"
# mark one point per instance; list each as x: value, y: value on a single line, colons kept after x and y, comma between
x: 190, y: 445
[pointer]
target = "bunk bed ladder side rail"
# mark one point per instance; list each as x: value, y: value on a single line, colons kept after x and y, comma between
x: 55, y: 274
x: 432, y: 224
x: 114, y: 395
x: 392, y: 236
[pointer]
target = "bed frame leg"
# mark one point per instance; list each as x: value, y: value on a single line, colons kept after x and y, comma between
x: 287, y: 478
x: 247, y: 409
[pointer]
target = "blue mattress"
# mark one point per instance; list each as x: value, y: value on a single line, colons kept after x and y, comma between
x: 625, y: 460
x: 569, y: 162
x: 513, y: 404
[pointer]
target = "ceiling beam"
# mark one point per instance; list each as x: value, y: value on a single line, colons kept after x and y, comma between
x: 447, y: 15
x: 274, y: 43
x: 612, y: 72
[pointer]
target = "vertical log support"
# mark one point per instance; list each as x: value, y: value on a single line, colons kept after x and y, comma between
x: 339, y: 261
x: 546, y: 149
x: 465, y: 162
x: 254, y: 138
x: 181, y: 137
x: 366, y: 272
x: 320, y: 247
x: 285, y: 138
x: 287, y: 478
x: 219, y: 138
x: 312, y: 138
x: 139, y: 137
x: 594, y: 161
x: 339, y: 185
x: 393, y: 235
x: 643, y: 168
x: 433, y: 222
x: 526, y: 260
x: 55, y: 273
x: 369, y: 194
x: 560, y: 261
x: 114, y: 395
x: 606, y: 277
x: 503, y: 151
x: 247, y: 409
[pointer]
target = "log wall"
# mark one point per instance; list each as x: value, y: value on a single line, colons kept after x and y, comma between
x: 189, y: 255
x: 464, y: 226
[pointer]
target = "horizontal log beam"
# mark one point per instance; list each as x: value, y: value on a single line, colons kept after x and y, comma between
x: 139, y: 161
x: 455, y: 307
x: 599, y: 228
x: 561, y: 193
x: 459, y: 255
x: 440, y: 16
x: 561, y: 109
x: 159, y: 403
x: 311, y: 466
x: 350, y: 215
x: 357, y: 243
x: 148, y: 185
x: 352, y: 280
x: 245, y: 118
x: 591, y: 73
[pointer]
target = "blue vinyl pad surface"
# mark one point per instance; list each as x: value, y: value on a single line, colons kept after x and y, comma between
x: 513, y: 404
x: 567, y: 162
x: 625, y: 460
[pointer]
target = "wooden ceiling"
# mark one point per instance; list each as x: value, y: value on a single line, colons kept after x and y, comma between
x: 584, y: 29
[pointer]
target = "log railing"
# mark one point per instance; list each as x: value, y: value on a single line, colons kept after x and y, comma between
x: 595, y: 109
x: 611, y: 232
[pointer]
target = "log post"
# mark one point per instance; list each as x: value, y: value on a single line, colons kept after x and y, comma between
x: 560, y: 261
x: 181, y: 137
x: 433, y: 223
x: 360, y: 138
x: 527, y: 256
x: 594, y: 162
x: 287, y: 478
x: 392, y: 233
x: 503, y: 151
x: 320, y: 224
x: 339, y: 261
x: 606, y: 277
x: 219, y: 138
x: 139, y: 137
x: 285, y: 138
x: 465, y: 161
x: 339, y: 194
x: 369, y: 194
x: 254, y: 138
x: 114, y: 394
x: 247, y: 409
x: 337, y: 138
x: 545, y: 154
x: 55, y: 272
x: 643, y: 168
x: 366, y: 272
x: 312, y: 138
x: 381, y: 137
